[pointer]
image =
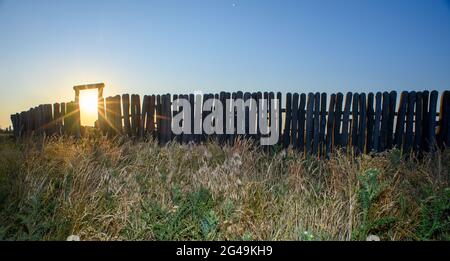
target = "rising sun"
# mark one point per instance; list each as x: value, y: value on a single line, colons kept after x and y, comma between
x: 88, y: 107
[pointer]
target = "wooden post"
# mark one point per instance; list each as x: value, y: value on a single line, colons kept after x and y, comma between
x: 400, y: 127
x: 409, y: 138
x: 259, y: 97
x: 14, y: 124
x: 355, y: 113
x: 301, y: 123
x: 280, y: 117
x: 175, y: 111
x: 294, y: 120
x: 28, y: 125
x: 247, y: 96
x: 42, y: 119
x: 446, y: 116
x: 272, y: 118
x: 20, y: 124
x: 431, y: 132
x: 144, y: 115
x: 166, y: 109
x: 309, y: 122
x: 287, y: 121
x: 362, y: 122
x: 239, y: 95
x: 330, y: 124
x: 390, y: 122
x: 192, y: 102
x: 323, y: 123
x: 31, y: 117
x: 186, y: 114
x: 151, y: 115
x: 57, y: 118
x: 47, y: 119
x: 337, y: 120
x: 137, y: 104
x: 234, y: 113
x: 163, y: 119
x: 135, y: 114
x: 72, y: 121
x: 425, y: 98
x: 110, y: 116
x: 418, y: 123
x: 384, y: 121
x: 168, y: 118
x: 315, y: 143
x: 198, y: 113
x: 126, y: 113
x: 63, y: 115
x: 222, y: 101
x: 345, y: 121
x: 118, y: 114
x: 442, y: 136
x: 215, y: 121
x: 370, y: 122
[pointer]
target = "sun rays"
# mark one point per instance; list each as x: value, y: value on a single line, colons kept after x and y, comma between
x: 88, y: 107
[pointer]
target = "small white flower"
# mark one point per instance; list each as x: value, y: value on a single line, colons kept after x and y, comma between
x: 207, y: 154
x: 73, y: 238
x: 373, y: 238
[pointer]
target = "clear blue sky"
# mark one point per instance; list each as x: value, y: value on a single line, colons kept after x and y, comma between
x: 148, y: 47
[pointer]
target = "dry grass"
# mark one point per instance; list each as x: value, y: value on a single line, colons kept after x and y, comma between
x: 124, y: 190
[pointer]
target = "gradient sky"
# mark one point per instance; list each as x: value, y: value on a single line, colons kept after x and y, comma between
x: 169, y: 46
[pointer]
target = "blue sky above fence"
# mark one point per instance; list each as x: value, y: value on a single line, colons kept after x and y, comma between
x: 184, y: 46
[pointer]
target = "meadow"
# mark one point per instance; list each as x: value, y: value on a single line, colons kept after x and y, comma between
x: 120, y: 189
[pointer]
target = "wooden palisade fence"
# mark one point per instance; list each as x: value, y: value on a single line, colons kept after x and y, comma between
x: 314, y: 123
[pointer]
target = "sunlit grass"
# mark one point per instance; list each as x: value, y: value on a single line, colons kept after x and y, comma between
x: 124, y: 190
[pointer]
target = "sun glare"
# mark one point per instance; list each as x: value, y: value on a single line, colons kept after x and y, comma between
x: 88, y: 107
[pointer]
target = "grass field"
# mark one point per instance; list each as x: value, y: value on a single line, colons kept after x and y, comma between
x: 124, y: 190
